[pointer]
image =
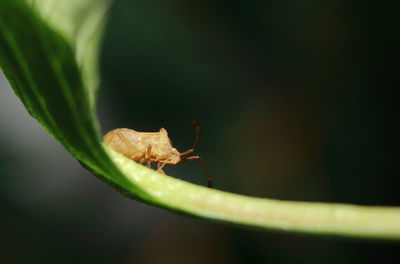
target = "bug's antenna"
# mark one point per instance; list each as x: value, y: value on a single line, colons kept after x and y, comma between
x: 196, y: 125
x: 209, y: 180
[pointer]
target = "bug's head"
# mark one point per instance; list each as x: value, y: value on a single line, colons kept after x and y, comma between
x: 175, y: 156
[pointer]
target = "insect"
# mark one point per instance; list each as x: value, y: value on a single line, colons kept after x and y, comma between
x: 149, y: 147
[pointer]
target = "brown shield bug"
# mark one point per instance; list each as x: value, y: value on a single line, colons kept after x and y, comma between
x: 149, y: 147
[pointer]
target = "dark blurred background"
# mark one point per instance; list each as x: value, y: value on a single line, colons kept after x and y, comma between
x: 297, y: 101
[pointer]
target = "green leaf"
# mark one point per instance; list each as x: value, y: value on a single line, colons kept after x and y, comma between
x: 48, y: 52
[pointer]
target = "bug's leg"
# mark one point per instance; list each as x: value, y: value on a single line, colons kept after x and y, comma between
x: 160, y: 167
x: 209, y: 180
x: 149, y: 164
x: 148, y: 153
x: 196, y: 125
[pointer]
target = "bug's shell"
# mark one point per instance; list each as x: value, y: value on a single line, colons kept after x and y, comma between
x: 143, y: 146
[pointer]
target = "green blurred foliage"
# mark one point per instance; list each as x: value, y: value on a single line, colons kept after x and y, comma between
x: 297, y: 100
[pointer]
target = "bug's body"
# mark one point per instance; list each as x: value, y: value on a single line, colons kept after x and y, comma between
x: 142, y: 146
x: 151, y: 147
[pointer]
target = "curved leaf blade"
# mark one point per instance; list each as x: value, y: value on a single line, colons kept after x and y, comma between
x: 41, y: 67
